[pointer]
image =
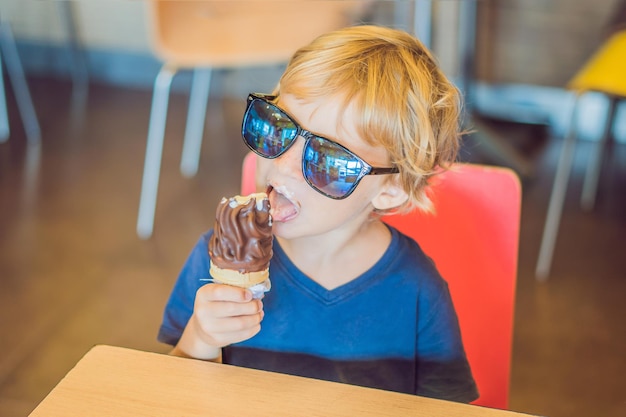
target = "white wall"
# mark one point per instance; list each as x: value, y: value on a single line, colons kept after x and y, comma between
x: 101, y: 24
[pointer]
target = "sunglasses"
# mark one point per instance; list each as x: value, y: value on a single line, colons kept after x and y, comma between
x: 328, y: 167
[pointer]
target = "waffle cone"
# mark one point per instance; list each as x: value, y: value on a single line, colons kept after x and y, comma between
x: 236, y: 278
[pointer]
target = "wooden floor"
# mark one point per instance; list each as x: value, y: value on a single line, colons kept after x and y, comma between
x: 74, y: 274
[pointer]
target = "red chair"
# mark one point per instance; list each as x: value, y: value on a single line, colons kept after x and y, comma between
x: 473, y: 239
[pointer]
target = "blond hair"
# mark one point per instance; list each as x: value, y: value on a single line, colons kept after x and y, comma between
x: 405, y: 102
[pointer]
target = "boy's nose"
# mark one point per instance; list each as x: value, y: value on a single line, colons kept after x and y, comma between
x: 290, y: 163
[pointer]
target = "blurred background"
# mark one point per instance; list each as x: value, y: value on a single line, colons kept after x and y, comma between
x: 77, y: 86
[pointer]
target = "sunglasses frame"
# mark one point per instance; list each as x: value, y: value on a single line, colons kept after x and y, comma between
x: 307, y: 135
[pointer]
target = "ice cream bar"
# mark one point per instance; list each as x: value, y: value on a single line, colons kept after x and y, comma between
x: 241, y: 245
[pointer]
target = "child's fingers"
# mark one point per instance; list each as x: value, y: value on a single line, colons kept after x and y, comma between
x: 227, y: 330
x: 237, y: 324
x: 219, y: 301
x: 222, y: 292
x: 246, y: 334
x: 225, y: 339
x: 226, y: 314
x: 221, y: 309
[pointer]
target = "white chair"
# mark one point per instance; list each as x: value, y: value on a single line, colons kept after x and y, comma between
x: 202, y: 35
x: 604, y: 72
x: 9, y: 53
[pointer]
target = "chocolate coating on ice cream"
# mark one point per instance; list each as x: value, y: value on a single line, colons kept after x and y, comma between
x: 242, y: 235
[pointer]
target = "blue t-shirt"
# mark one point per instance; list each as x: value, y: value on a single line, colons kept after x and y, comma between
x: 394, y: 327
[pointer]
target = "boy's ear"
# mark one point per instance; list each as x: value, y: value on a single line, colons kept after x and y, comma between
x: 391, y: 195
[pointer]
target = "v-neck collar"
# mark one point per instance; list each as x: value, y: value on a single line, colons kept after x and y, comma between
x: 309, y: 286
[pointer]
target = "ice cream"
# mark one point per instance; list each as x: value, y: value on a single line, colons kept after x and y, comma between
x: 241, y: 245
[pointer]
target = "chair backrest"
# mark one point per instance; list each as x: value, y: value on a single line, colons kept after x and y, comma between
x: 605, y: 71
x: 236, y: 33
x: 473, y: 239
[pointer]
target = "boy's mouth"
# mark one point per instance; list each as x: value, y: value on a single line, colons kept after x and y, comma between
x: 282, y: 207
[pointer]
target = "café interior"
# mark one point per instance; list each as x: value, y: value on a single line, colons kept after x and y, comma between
x: 82, y: 265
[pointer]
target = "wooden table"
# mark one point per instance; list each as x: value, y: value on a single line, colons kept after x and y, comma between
x: 113, y: 381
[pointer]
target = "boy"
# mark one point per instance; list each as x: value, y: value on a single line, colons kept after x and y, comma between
x: 352, y: 300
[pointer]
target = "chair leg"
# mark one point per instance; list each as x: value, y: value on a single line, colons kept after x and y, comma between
x: 154, y: 152
x: 77, y: 60
x: 195, y: 121
x: 557, y: 198
x: 20, y: 87
x: 592, y: 176
x: 4, y: 115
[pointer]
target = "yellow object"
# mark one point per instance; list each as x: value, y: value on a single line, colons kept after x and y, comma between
x: 606, y: 70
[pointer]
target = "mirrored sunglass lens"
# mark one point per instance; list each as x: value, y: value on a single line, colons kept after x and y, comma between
x: 330, y: 168
x: 268, y: 130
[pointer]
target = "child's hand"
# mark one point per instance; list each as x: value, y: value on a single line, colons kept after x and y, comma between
x: 226, y: 314
x: 223, y: 314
